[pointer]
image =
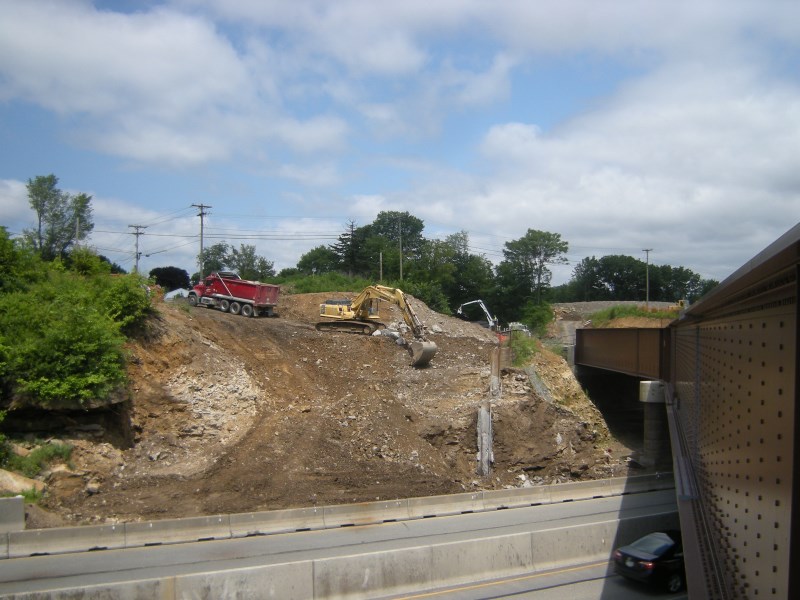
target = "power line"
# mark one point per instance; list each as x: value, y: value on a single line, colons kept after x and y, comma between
x: 168, y: 249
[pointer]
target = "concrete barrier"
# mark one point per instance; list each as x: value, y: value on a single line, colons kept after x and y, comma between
x: 65, y: 539
x: 162, y: 589
x: 580, y: 490
x: 487, y: 558
x: 365, y: 513
x: 277, y: 521
x: 516, y: 497
x: 192, y: 529
x: 378, y: 573
x: 553, y: 548
x: 454, y: 504
x: 289, y: 581
x: 12, y: 514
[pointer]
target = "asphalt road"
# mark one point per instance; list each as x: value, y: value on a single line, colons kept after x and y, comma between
x: 43, y: 573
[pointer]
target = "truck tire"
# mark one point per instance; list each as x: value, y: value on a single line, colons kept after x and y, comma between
x: 192, y: 299
x: 224, y: 305
x: 235, y: 308
x: 247, y: 310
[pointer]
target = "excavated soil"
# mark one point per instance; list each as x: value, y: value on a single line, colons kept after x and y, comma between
x: 229, y: 414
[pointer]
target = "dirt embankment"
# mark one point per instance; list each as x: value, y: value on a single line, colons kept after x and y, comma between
x: 229, y: 414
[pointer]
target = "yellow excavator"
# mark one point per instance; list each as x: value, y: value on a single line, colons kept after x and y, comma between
x: 360, y: 315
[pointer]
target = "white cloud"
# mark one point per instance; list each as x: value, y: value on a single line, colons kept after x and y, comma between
x: 15, y: 211
x: 696, y: 144
x: 318, y: 175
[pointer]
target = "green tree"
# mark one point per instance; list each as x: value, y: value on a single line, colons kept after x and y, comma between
x: 215, y: 258
x: 587, y: 284
x: 62, y: 219
x: 435, y: 264
x: 526, y: 259
x: 472, y: 275
x: 248, y: 264
x: 170, y: 278
x: 402, y: 231
x: 624, y: 277
x: 318, y: 260
x: 680, y: 283
x: 351, y: 251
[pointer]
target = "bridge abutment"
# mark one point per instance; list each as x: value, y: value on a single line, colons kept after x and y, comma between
x: 656, y: 443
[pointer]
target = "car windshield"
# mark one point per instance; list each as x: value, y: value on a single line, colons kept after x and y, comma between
x: 655, y: 543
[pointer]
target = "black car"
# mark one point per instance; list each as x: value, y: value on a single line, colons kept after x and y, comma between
x: 656, y: 558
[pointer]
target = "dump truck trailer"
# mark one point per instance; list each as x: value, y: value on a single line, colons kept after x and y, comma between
x: 230, y: 293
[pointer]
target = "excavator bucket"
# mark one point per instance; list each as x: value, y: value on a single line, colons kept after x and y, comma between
x: 422, y: 352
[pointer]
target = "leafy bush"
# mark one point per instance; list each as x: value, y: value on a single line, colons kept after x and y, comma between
x: 60, y: 346
x: 38, y: 459
x: 125, y: 299
x: 523, y: 348
x: 86, y: 262
x: 537, y: 317
x: 18, y: 265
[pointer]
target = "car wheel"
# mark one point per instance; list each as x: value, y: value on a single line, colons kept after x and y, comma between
x: 235, y: 308
x: 224, y: 306
x: 674, y: 583
x: 247, y: 310
x: 192, y: 300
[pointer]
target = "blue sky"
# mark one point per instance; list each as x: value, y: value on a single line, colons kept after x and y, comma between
x: 620, y: 125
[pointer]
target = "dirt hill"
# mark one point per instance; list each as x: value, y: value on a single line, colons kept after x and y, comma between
x: 229, y: 414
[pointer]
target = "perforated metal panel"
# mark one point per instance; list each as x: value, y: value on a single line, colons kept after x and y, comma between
x: 734, y: 378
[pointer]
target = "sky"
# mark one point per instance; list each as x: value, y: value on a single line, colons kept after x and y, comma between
x: 621, y: 125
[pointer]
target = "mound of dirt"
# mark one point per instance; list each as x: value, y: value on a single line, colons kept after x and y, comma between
x: 229, y: 414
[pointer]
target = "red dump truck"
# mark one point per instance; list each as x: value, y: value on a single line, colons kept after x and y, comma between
x: 230, y: 293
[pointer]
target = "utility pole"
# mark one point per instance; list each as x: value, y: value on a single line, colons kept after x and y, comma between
x: 400, y: 228
x: 647, y: 252
x: 201, y: 214
x: 137, y: 231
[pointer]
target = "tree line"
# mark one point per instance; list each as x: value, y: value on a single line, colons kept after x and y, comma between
x: 446, y: 274
x: 393, y: 249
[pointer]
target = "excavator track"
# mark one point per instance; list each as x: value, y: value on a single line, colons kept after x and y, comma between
x: 362, y: 327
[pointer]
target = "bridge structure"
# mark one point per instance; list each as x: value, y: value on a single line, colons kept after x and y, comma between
x: 729, y: 366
